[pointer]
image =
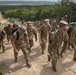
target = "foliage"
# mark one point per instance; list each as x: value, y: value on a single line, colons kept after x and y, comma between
x: 38, y: 12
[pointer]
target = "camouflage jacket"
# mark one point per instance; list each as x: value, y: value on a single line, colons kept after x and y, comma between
x: 31, y: 32
x: 44, y: 30
x: 56, y: 39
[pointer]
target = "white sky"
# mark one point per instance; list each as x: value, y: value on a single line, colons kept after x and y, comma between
x: 31, y: 0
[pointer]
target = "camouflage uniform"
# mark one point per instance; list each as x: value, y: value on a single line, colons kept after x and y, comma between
x: 43, y: 32
x: 38, y: 25
x: 31, y: 31
x: 55, y: 42
x: 20, y: 43
x: 8, y: 30
x: 54, y: 25
x: 2, y: 35
x: 72, y: 40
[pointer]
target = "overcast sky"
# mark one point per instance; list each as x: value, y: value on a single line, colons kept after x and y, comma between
x: 31, y: 0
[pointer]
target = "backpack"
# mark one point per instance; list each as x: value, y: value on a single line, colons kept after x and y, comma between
x: 14, y: 30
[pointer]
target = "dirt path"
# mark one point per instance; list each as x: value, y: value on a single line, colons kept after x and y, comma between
x: 40, y: 65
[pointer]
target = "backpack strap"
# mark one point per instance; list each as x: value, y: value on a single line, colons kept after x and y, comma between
x: 17, y: 33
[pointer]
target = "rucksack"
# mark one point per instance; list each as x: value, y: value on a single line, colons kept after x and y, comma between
x: 14, y: 30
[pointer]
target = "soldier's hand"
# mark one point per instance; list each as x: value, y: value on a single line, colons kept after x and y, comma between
x: 28, y: 46
x: 16, y: 51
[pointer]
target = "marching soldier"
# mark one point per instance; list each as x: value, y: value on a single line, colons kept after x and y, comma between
x: 18, y: 42
x: 31, y: 31
x: 2, y: 36
x: 54, y: 25
x: 8, y: 30
x: 55, y: 41
x: 43, y: 33
x: 38, y: 25
x: 72, y: 40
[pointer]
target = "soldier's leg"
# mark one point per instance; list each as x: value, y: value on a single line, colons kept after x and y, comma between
x: 25, y: 52
x: 64, y: 48
x: 54, y: 63
x: 74, y: 57
x: 49, y: 51
x: 31, y: 44
x: 8, y: 38
x: 69, y: 45
x: 16, y: 56
x: 3, y: 47
x: 43, y: 45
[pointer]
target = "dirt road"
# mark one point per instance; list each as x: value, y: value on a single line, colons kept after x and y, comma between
x: 40, y: 65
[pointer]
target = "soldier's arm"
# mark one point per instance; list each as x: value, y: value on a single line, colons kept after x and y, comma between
x: 13, y: 39
x: 49, y: 28
x: 14, y: 46
x: 40, y: 32
x: 65, y: 42
x: 35, y: 33
x: 26, y: 38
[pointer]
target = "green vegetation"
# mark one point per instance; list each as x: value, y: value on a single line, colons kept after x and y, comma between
x: 38, y: 12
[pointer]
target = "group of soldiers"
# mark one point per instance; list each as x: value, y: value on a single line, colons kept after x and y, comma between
x: 59, y: 37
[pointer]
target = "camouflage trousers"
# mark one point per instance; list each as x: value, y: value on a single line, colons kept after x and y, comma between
x: 24, y: 50
x: 43, y: 43
x: 2, y: 45
x: 53, y: 52
x: 31, y: 42
x: 74, y: 54
x: 8, y: 37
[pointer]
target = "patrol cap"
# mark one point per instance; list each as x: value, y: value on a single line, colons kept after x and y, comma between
x: 66, y: 16
x: 29, y: 22
x: 64, y: 24
x: 46, y: 20
x: 22, y: 28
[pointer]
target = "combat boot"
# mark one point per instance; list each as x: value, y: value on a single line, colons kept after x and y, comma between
x: 49, y: 58
x: 16, y: 60
x: 3, y: 50
x: 27, y: 64
x: 54, y: 68
x: 43, y: 51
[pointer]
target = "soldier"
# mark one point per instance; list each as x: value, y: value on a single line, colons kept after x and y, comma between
x: 54, y: 25
x: 72, y: 40
x: 31, y: 30
x: 65, y: 18
x: 18, y: 43
x: 15, y: 27
x: 38, y: 25
x: 55, y: 41
x: 8, y: 30
x: 2, y: 36
x: 43, y: 32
